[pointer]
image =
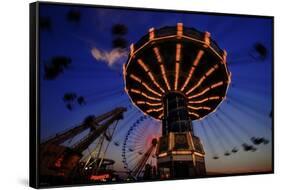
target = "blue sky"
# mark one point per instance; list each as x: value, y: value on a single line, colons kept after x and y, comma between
x: 249, y: 94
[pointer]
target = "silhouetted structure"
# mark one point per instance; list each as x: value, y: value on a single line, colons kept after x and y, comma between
x: 58, y: 162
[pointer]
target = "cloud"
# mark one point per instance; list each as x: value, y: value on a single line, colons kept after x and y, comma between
x: 109, y: 57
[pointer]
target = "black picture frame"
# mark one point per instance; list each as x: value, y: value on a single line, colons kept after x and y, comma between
x: 34, y: 98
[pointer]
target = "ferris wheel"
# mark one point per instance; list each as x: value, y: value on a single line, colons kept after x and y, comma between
x: 139, y: 146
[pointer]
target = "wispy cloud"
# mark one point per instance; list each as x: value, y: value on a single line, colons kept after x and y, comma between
x: 109, y: 57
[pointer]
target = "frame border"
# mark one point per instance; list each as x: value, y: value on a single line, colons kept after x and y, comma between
x: 34, y: 89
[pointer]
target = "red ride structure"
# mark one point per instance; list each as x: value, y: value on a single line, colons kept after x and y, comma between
x: 177, y: 74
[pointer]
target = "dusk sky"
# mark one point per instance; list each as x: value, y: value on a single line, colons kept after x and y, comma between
x: 95, y: 73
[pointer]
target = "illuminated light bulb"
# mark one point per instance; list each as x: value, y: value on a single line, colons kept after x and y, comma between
x: 194, y: 114
x: 203, y: 78
x: 177, y: 65
x: 194, y: 108
x: 229, y: 77
x: 207, y: 39
x: 164, y: 76
x: 178, y: 52
x: 132, y: 49
x: 206, y: 108
x: 142, y: 64
x: 143, y: 94
x: 140, y: 102
x: 144, y: 84
x: 154, y: 110
x: 224, y: 56
x: 199, y: 108
x: 198, y: 101
x: 198, y: 57
x: 192, y: 69
x: 210, y: 72
x: 135, y: 78
x: 150, y: 97
x: 217, y: 84
x: 206, y: 90
x: 151, y: 33
x: 156, y: 51
x: 148, y: 88
x: 135, y: 91
x: 204, y: 100
x: 177, y: 75
x: 148, y: 103
x: 124, y: 69
x: 163, y: 72
x: 154, y: 81
x: 214, y: 98
x: 154, y: 104
x: 179, y: 29
x: 199, y: 94
x: 159, y: 109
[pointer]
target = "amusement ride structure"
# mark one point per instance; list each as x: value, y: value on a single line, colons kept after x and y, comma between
x: 177, y: 74
x: 61, y: 163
